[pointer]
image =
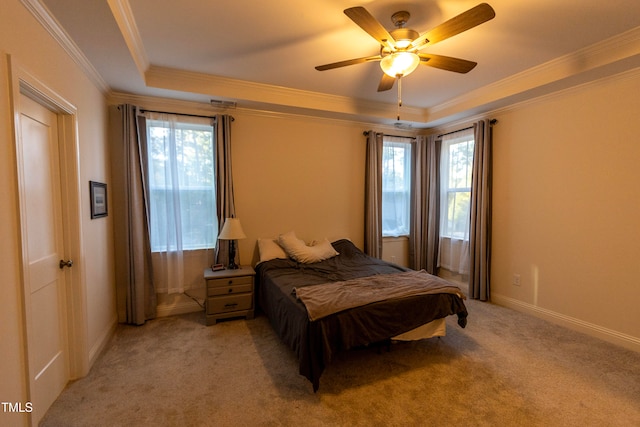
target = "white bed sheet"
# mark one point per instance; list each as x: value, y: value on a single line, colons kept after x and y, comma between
x: 436, y: 328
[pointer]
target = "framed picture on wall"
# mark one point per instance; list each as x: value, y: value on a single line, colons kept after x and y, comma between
x: 98, y: 194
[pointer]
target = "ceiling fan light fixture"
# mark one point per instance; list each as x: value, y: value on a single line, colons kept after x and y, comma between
x: 404, y: 37
x: 399, y: 63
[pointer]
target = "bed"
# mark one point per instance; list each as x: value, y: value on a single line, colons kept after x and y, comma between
x: 315, y: 342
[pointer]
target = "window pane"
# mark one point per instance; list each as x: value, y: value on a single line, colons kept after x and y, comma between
x: 182, y: 185
x: 461, y: 157
x: 396, y: 186
x: 458, y: 214
x: 456, y: 169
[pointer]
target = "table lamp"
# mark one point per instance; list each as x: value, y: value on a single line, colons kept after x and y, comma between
x: 232, y: 231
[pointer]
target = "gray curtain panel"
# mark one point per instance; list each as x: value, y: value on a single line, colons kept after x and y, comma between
x: 225, y: 205
x: 136, y: 296
x: 480, y: 227
x: 425, y: 205
x: 373, y: 196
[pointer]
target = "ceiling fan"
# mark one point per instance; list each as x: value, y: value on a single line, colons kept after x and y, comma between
x: 399, y: 48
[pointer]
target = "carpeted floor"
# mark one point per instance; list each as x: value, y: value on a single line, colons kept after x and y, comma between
x: 505, y: 368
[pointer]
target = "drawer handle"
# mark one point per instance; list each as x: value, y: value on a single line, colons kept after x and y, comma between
x: 231, y: 281
x: 230, y: 305
x: 230, y: 290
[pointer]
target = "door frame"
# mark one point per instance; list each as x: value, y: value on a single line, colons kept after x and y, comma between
x: 23, y: 82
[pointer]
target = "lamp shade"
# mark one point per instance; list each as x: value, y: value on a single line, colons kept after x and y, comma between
x: 231, y: 230
x: 399, y: 63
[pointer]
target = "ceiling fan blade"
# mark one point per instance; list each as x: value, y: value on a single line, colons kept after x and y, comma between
x: 447, y: 63
x: 367, y: 22
x: 386, y: 82
x: 456, y: 25
x: 348, y: 62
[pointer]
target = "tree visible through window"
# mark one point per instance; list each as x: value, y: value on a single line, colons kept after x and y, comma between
x: 456, y: 172
x: 396, y: 186
x: 181, y: 183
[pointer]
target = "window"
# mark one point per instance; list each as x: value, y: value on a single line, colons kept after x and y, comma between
x: 181, y: 182
x: 396, y: 186
x: 456, y: 170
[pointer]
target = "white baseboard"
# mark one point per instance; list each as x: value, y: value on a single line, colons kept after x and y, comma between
x: 609, y: 335
x: 180, y: 307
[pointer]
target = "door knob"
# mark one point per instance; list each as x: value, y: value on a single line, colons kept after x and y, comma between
x: 64, y: 264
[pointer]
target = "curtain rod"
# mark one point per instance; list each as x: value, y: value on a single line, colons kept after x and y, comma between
x: 366, y: 133
x: 181, y: 114
x: 491, y: 122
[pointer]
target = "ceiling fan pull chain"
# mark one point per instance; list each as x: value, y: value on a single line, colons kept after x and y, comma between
x: 399, y: 94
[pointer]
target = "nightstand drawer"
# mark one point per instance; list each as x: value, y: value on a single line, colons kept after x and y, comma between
x: 230, y: 281
x: 229, y: 289
x: 229, y: 303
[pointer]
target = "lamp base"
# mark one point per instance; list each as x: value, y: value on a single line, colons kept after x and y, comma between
x: 232, y: 256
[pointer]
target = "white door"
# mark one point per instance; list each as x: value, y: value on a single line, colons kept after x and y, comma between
x: 43, y: 249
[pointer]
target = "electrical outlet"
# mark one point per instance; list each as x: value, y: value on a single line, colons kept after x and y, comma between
x: 516, y: 280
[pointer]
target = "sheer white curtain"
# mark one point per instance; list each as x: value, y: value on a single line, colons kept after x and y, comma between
x: 456, y: 173
x: 166, y: 232
x: 180, y: 173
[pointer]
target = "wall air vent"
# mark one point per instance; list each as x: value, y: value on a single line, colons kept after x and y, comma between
x: 222, y: 104
x: 400, y: 125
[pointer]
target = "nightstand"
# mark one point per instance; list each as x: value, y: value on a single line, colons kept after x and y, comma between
x: 229, y: 293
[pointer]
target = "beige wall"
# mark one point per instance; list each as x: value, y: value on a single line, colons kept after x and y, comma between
x: 37, y: 53
x: 567, y: 208
x: 297, y: 174
x: 396, y: 250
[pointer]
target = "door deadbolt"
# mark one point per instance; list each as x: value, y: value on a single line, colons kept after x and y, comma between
x: 64, y: 264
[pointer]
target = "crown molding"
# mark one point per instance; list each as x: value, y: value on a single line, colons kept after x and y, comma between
x: 628, y: 74
x: 201, y: 108
x: 163, y: 104
x: 55, y: 30
x: 260, y: 93
x: 607, y: 52
x: 121, y: 10
x: 468, y: 120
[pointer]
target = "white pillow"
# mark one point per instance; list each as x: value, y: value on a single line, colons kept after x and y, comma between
x: 270, y: 249
x: 299, y: 251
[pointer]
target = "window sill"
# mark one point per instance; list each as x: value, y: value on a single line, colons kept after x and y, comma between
x: 395, y: 238
x: 453, y: 239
